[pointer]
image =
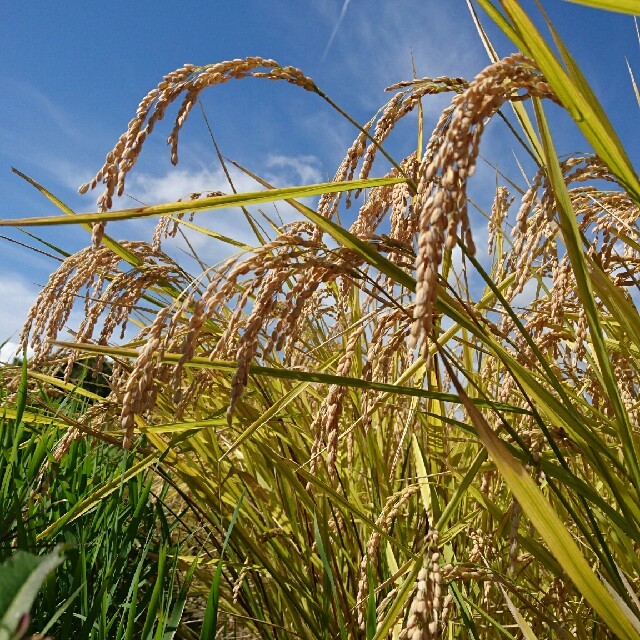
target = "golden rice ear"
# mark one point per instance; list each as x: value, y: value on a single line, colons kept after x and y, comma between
x: 188, y: 81
x: 385, y: 522
x: 450, y: 160
x: 109, y: 295
x: 499, y: 212
x: 138, y: 396
x: 424, y: 621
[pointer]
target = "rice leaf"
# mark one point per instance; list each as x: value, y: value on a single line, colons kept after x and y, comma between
x: 21, y: 577
x: 621, y: 6
x: 291, y: 374
x: 179, y: 605
x: 636, y: 91
x: 400, y: 601
x: 203, y: 204
x: 329, y: 573
x: 527, y: 631
x: 581, y: 104
x: 423, y: 476
x: 573, y: 243
x: 275, y: 408
x: 461, y: 601
x: 210, y: 622
x: 21, y: 396
x: 88, y: 503
x: 116, y: 247
x: 154, y: 602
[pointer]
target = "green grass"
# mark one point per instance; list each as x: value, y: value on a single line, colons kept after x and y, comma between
x: 110, y: 584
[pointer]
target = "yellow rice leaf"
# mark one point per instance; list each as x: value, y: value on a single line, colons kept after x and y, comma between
x: 203, y: 204
x: 621, y: 6
x: 423, y: 477
x: 527, y: 631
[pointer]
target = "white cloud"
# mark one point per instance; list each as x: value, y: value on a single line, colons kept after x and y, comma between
x: 17, y: 296
x: 11, y: 351
x: 532, y: 291
x: 277, y: 169
x: 175, y: 184
x: 305, y: 168
x: 68, y: 173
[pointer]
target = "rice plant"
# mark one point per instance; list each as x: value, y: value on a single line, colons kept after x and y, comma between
x: 373, y: 444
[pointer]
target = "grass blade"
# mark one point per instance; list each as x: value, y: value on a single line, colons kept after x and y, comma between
x: 21, y: 396
x: 210, y: 622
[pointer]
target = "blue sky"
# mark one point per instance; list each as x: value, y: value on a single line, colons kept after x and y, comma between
x: 73, y: 73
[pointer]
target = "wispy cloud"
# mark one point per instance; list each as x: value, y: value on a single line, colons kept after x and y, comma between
x: 278, y: 169
x: 305, y: 169
x: 17, y: 296
x: 28, y: 97
x: 380, y: 40
x: 343, y: 12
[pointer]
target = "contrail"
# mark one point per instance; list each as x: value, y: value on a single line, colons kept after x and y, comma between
x: 335, y: 29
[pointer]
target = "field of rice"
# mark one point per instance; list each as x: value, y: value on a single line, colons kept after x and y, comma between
x: 367, y: 430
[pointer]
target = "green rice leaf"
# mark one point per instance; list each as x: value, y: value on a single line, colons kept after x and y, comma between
x: 573, y: 243
x: 291, y: 374
x: 423, y: 476
x: 154, y: 603
x: 273, y: 410
x: 116, y: 247
x: 575, y: 97
x: 88, y: 503
x: 404, y: 591
x: 461, y: 601
x: 203, y: 204
x: 21, y: 396
x: 328, y: 572
x: 372, y: 614
x: 21, y: 577
x: 179, y: 605
x: 210, y: 622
